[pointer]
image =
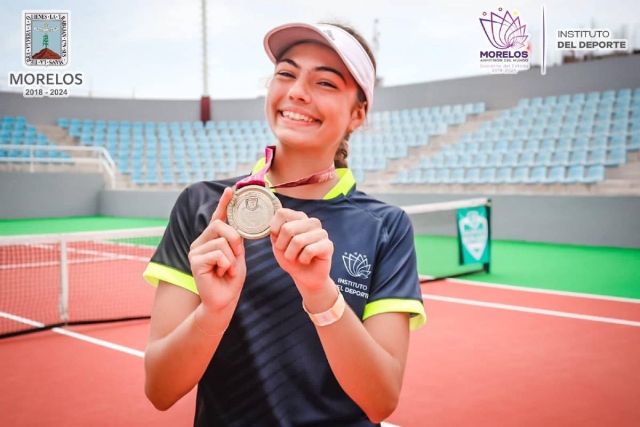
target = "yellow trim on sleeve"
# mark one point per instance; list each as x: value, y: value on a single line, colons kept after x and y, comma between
x: 394, y: 305
x: 156, y: 272
x: 344, y: 185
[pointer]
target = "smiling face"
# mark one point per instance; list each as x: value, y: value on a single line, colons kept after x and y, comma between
x: 313, y: 99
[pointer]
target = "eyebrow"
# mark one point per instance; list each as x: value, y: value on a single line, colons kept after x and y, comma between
x: 321, y: 68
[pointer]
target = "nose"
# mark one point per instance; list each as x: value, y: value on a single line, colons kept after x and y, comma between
x: 299, y: 90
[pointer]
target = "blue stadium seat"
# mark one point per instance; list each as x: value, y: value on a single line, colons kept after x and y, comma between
x: 538, y: 175
x: 582, y: 143
x: 600, y: 141
x: 595, y: 174
x: 617, y: 156
x: 524, y: 102
x: 618, y: 141
x: 564, y: 144
x: 575, y: 175
x: 624, y: 93
x: 557, y: 175
x: 578, y: 157
x: 451, y: 160
x: 504, y: 176
x: 501, y: 147
x: 560, y: 158
x: 486, y: 146
x: 457, y: 176
x: 443, y: 176
x: 532, y: 145
x: 495, y: 160
x: 481, y: 160
x: 597, y: 157
x: 437, y: 160
x: 520, y: 175
x: 488, y: 176
x: 620, y: 127
x: 578, y: 98
x: 550, y: 100
x: 593, y: 96
x: 429, y: 177
x: 479, y: 107
x: 564, y: 99
x: 548, y: 144
x: 543, y: 158
x: 568, y: 130
x: 511, y: 159
x: 527, y: 158
x: 466, y: 160
x: 584, y: 129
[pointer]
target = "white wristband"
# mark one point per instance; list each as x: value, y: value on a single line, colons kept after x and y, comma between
x: 330, y: 316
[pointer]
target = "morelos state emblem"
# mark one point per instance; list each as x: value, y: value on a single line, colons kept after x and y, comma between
x: 357, y: 265
x: 504, y: 32
x: 474, y: 232
x: 46, y: 38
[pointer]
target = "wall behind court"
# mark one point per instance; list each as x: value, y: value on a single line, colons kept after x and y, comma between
x: 49, y: 195
x: 580, y: 220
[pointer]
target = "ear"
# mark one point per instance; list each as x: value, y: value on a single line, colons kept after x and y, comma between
x: 358, y: 115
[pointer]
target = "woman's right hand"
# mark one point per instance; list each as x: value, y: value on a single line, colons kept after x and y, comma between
x: 217, y: 260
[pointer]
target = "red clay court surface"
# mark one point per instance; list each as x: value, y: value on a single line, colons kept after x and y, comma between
x: 479, y: 361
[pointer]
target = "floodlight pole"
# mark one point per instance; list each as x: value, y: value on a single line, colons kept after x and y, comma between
x: 205, y: 101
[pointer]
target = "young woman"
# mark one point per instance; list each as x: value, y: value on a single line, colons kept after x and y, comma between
x: 308, y: 326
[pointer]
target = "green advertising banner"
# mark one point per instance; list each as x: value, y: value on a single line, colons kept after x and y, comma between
x: 474, y: 235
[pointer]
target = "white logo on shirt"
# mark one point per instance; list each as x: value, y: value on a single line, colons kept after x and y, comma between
x: 357, y: 265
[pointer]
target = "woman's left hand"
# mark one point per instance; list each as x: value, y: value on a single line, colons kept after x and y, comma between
x: 302, y: 248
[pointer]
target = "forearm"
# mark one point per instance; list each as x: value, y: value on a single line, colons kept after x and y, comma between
x: 175, y: 363
x: 368, y: 373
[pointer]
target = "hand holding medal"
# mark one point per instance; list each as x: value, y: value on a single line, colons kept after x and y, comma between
x: 254, y: 205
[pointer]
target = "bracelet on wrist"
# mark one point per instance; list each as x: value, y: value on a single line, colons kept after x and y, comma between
x: 330, y: 316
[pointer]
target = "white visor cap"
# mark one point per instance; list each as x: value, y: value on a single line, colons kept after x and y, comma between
x: 355, y: 58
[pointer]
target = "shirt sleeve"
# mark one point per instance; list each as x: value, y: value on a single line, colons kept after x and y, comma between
x: 170, y: 262
x: 395, y: 283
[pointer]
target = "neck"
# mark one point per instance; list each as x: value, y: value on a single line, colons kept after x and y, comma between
x: 293, y: 164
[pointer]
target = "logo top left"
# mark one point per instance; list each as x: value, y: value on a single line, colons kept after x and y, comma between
x: 46, y: 39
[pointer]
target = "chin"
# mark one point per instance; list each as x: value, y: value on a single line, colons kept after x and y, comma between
x: 292, y: 138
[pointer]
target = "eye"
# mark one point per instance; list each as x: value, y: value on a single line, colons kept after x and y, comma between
x: 286, y: 74
x: 328, y: 84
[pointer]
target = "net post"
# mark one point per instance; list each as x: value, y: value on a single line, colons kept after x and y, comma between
x: 63, y: 300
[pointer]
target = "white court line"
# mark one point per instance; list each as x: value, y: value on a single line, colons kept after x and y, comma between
x: 75, y: 335
x: 532, y: 310
x: 543, y: 291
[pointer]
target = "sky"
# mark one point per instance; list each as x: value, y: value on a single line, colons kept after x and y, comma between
x: 152, y: 49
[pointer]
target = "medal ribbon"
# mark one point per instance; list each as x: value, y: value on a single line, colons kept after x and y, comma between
x: 258, y: 177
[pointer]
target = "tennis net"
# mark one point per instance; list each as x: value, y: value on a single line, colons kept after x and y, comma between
x: 54, y: 280
x: 452, y: 238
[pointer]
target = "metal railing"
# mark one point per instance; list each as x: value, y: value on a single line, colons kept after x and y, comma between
x: 101, y: 157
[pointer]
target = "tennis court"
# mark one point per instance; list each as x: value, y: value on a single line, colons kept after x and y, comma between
x: 550, y: 337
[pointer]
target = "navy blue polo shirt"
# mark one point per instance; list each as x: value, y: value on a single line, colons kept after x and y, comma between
x: 270, y: 368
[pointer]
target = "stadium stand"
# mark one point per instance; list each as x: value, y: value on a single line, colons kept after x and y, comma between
x: 553, y: 140
x: 578, y: 139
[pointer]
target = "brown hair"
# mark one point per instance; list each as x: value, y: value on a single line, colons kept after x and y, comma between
x: 340, y: 159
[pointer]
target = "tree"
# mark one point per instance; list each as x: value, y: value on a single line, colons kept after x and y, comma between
x: 45, y: 40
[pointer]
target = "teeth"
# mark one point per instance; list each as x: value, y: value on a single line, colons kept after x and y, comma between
x: 295, y: 116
